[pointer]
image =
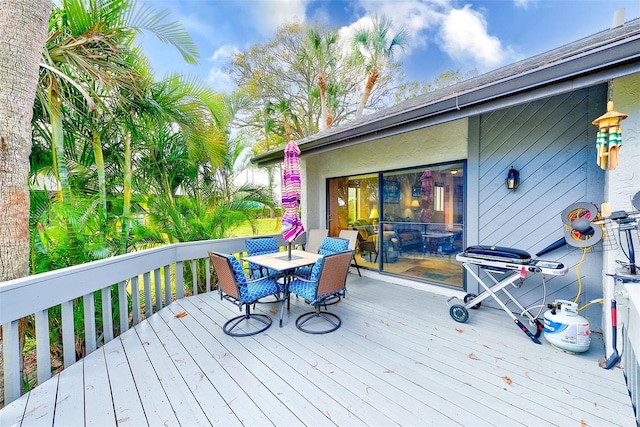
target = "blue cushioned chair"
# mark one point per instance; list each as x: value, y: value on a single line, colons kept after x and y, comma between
x: 326, y: 283
x: 234, y: 286
x: 329, y: 246
x: 261, y: 246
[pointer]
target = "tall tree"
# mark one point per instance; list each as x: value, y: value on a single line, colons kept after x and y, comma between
x: 410, y: 90
x: 374, y: 46
x: 272, y: 72
x: 320, y: 52
x: 23, y: 31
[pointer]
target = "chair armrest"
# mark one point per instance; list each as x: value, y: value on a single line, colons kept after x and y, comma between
x: 303, y: 279
x: 274, y: 277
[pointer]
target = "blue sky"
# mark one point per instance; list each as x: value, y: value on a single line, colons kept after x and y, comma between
x: 444, y: 35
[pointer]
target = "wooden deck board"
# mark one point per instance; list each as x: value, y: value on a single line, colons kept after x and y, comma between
x: 126, y: 402
x: 571, y: 379
x: 398, y: 359
x: 96, y: 388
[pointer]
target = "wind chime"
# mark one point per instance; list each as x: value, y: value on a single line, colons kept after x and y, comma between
x: 609, y: 137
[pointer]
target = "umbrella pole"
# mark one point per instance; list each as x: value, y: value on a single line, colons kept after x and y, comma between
x: 289, y: 251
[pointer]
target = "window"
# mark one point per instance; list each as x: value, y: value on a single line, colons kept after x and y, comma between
x: 438, y: 197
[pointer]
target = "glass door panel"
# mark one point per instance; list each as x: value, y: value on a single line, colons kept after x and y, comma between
x: 422, y: 222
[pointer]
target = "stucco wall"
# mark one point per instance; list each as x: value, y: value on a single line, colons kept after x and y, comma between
x: 440, y: 143
x: 620, y: 185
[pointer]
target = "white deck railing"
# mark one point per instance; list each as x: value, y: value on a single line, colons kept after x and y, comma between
x: 146, y: 281
x: 153, y: 275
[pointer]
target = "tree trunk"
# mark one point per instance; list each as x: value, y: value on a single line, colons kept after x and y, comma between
x: 371, y: 80
x: 23, y: 31
x: 126, y: 195
x: 322, y: 85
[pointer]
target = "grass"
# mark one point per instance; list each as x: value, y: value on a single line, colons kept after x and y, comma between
x: 265, y: 226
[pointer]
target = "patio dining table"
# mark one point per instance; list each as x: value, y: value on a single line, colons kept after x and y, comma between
x: 282, y: 263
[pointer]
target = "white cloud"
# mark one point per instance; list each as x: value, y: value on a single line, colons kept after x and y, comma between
x: 523, y: 4
x: 464, y: 37
x: 219, y: 80
x: 416, y: 17
x: 267, y: 16
x: 224, y: 52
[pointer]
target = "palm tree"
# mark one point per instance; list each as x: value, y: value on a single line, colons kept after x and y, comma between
x: 320, y: 52
x: 23, y: 31
x: 373, y: 47
x: 90, y: 51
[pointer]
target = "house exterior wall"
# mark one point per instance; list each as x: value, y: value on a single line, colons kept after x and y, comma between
x: 436, y: 144
x: 620, y: 186
x: 551, y: 142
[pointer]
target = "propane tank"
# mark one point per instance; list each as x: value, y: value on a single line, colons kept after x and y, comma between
x: 565, y: 329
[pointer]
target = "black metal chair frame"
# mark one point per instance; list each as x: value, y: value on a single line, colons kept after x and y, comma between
x: 229, y: 290
x: 332, y: 286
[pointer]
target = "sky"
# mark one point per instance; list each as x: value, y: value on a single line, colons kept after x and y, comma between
x: 443, y: 35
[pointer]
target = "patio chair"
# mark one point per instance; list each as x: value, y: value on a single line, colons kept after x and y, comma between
x: 260, y: 246
x: 367, y: 246
x: 329, y: 246
x: 314, y: 239
x: 234, y: 286
x: 326, y: 285
x: 352, y: 237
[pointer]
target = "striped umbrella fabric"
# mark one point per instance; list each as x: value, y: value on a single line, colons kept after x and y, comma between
x: 291, y: 189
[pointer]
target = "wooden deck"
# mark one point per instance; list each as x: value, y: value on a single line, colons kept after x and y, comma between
x: 398, y: 359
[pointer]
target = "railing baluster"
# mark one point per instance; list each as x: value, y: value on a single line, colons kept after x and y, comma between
x: 89, y: 322
x: 179, y: 281
x: 123, y: 306
x: 68, y: 334
x: 157, y: 283
x: 43, y: 351
x: 135, y: 300
x: 107, y: 315
x: 207, y: 273
x: 148, y: 302
x: 194, y: 276
x: 11, y: 361
x: 167, y: 284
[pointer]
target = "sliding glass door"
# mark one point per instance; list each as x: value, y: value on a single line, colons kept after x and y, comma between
x: 410, y: 221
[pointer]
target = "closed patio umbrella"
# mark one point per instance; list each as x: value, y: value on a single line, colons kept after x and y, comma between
x: 291, y: 189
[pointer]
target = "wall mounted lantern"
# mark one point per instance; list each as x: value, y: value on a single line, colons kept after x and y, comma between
x: 513, y: 179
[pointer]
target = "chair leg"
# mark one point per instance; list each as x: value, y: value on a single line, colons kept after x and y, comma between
x: 357, y: 266
x: 331, y: 318
x: 231, y: 324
